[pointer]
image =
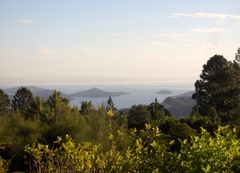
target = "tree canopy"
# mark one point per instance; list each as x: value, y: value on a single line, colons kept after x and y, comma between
x: 4, y: 103
x: 23, y: 102
x: 217, y: 91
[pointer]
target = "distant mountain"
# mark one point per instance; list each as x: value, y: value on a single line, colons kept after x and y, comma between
x: 33, y: 89
x: 180, y: 105
x: 95, y: 92
x: 164, y: 92
x: 186, y: 94
x: 36, y: 91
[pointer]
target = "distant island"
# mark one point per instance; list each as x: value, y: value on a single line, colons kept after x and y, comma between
x: 164, y: 92
x: 95, y: 92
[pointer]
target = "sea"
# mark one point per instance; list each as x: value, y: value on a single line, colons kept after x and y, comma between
x: 139, y: 93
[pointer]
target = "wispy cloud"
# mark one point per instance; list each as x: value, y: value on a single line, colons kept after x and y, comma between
x: 25, y: 21
x: 43, y: 51
x: 209, y: 30
x: 221, y: 16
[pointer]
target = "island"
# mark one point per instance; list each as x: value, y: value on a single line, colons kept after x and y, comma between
x: 96, y: 92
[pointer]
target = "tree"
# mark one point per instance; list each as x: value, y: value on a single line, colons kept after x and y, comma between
x: 237, y: 56
x: 4, y: 103
x: 217, y: 91
x: 110, y: 104
x: 157, y: 110
x: 86, y: 107
x: 54, y: 106
x: 138, y: 117
x: 23, y: 102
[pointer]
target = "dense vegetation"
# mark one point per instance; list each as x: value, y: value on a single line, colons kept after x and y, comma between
x: 51, y: 136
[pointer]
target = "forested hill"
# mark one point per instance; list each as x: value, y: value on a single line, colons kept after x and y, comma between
x: 180, y: 105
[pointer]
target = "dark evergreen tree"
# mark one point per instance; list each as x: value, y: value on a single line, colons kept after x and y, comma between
x: 217, y: 91
x: 54, y: 106
x: 4, y: 103
x: 86, y: 107
x: 237, y: 56
x: 23, y: 102
x: 157, y: 110
x: 138, y: 117
x: 110, y: 104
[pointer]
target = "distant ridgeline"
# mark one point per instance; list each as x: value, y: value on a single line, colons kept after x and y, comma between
x: 180, y: 105
x: 45, y: 93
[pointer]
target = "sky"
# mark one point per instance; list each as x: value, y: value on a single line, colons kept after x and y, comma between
x: 68, y: 41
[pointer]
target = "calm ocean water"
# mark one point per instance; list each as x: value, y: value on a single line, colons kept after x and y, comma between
x: 138, y: 93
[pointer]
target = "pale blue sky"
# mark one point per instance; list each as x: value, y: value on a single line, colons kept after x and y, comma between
x: 114, y: 40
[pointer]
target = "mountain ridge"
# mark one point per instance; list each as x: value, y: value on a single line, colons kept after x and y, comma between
x: 180, y: 105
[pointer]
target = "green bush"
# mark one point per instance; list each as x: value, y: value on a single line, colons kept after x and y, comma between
x: 205, y: 153
x: 150, y: 153
x: 3, y: 165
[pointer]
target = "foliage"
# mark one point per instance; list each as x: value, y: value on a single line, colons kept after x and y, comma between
x: 197, y: 122
x: 4, y: 103
x: 138, y: 116
x: 110, y: 104
x: 142, y: 114
x: 54, y: 107
x: 16, y: 132
x: 157, y: 110
x: 175, y: 130
x: 23, y: 102
x: 86, y: 108
x: 3, y: 163
x: 68, y: 156
x: 210, y: 154
x: 70, y: 123
x: 218, y: 92
x: 149, y: 153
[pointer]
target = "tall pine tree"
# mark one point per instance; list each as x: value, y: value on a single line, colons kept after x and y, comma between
x: 217, y: 91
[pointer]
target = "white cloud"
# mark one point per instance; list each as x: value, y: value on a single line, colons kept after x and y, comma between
x: 209, y: 30
x: 25, y: 21
x: 43, y: 51
x: 221, y: 16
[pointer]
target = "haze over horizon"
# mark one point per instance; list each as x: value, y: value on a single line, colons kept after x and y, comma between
x: 114, y: 41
